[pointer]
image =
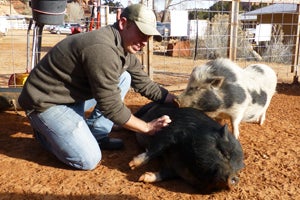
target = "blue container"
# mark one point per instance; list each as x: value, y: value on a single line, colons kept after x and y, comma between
x: 50, y: 12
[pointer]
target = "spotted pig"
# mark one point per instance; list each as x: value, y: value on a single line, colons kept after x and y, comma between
x: 222, y: 89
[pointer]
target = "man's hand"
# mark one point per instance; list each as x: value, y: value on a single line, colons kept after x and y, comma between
x: 170, y: 98
x: 137, y: 125
x: 157, y: 124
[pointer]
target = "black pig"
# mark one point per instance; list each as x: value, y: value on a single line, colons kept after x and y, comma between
x: 193, y: 146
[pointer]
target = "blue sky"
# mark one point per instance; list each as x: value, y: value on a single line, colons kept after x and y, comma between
x: 159, y: 4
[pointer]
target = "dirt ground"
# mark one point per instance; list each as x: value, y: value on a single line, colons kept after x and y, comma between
x: 272, y: 152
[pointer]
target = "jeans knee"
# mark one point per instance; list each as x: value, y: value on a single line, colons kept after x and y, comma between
x: 92, y: 162
x: 89, y: 162
x: 125, y: 80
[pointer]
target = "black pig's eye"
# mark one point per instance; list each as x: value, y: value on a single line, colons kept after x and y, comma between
x: 195, y: 88
x: 224, y: 153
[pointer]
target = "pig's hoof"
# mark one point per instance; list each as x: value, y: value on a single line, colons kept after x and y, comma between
x: 150, y: 177
x: 132, y: 164
x: 137, y: 161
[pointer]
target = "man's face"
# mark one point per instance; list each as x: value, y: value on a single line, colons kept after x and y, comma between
x: 133, y: 40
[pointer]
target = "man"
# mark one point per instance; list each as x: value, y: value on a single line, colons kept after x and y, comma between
x: 88, y: 69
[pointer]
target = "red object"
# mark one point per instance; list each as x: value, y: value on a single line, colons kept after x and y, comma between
x: 92, y: 17
x: 75, y: 30
x: 17, y: 80
x: 98, y: 25
x: 91, y: 24
x: 98, y: 18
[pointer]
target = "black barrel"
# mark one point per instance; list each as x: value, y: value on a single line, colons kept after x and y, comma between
x: 50, y: 12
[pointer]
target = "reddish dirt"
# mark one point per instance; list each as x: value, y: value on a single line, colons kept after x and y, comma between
x: 271, y: 158
x: 272, y: 155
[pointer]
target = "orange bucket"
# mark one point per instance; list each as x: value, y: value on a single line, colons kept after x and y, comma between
x: 17, y: 80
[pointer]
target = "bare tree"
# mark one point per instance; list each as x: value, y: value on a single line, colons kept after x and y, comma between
x: 75, y: 12
x: 168, y: 5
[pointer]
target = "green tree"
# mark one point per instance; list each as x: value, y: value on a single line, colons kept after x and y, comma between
x: 198, y: 14
x: 113, y: 6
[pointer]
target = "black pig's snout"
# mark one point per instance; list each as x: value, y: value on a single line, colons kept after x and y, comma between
x: 176, y: 102
x: 232, y: 181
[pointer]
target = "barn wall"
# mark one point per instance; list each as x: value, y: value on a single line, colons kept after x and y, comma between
x: 288, y: 22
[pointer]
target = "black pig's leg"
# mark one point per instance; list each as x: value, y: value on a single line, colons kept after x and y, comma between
x: 157, y: 147
x: 150, y: 177
x: 139, y: 160
x: 164, y: 174
x: 144, y: 158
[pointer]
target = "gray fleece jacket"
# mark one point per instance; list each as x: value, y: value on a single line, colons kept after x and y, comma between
x: 84, y: 66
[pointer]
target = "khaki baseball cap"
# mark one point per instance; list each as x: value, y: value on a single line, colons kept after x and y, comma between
x: 143, y: 17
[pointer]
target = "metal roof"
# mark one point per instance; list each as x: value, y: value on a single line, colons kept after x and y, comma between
x: 275, y: 8
x: 246, y: 17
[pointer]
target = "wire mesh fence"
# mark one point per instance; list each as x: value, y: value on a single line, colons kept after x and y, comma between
x: 267, y: 34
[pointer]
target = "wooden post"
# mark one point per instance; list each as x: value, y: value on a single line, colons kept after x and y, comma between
x: 149, y: 57
x: 118, y: 14
x: 296, y: 57
x: 149, y: 53
x: 295, y: 65
x: 233, y: 29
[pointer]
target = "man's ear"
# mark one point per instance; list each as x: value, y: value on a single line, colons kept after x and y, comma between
x: 122, y: 23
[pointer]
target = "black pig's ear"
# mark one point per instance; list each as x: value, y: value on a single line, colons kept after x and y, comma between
x: 225, y: 132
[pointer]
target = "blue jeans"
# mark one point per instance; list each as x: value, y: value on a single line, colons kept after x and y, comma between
x: 64, y: 131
